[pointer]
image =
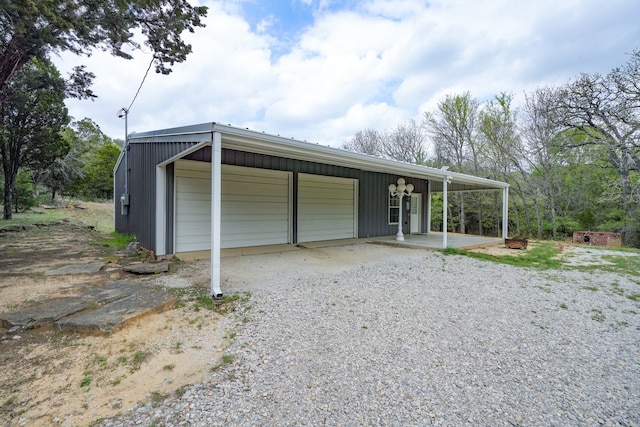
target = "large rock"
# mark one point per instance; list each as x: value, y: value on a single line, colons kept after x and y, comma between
x: 117, y: 314
x: 87, y: 268
x: 100, y: 309
x: 149, y: 267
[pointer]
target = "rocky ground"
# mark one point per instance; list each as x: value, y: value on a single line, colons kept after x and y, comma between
x: 50, y: 377
x: 421, y: 338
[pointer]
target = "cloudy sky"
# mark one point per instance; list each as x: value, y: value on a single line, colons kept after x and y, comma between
x: 320, y: 70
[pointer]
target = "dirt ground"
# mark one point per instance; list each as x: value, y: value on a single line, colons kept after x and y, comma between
x: 55, y: 378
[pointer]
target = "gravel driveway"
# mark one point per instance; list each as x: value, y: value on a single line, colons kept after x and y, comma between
x: 417, y: 338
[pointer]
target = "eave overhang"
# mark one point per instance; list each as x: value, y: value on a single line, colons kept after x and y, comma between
x: 259, y: 142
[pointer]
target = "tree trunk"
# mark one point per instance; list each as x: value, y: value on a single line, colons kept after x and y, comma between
x: 8, y: 193
x: 536, y: 208
x: 554, y: 232
x: 451, y: 226
x: 15, y: 55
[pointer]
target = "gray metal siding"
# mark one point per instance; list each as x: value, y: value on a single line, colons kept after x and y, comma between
x: 372, y: 197
x: 143, y: 158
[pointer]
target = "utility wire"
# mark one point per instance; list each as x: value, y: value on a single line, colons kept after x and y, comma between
x: 173, y: 11
x: 141, y: 83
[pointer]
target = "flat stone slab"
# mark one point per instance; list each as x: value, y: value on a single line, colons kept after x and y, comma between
x: 117, y: 314
x: 87, y: 268
x: 148, y: 267
x: 100, y: 309
x: 46, y: 312
x: 113, y: 291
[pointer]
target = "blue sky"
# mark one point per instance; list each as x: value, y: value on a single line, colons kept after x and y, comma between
x: 320, y: 70
x: 281, y: 19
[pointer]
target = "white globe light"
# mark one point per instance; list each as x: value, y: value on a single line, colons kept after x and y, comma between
x: 409, y: 188
x: 401, y: 181
x: 392, y: 188
x: 401, y: 188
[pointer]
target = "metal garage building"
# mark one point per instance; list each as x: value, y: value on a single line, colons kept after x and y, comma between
x: 209, y: 187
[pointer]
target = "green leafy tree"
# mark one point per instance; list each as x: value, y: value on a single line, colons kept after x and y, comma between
x: 35, y: 29
x: 69, y: 174
x: 23, y: 194
x: 100, y: 171
x: 33, y: 115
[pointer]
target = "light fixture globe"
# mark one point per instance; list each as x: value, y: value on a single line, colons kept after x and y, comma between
x: 401, y: 188
x: 392, y: 188
x: 409, y: 188
x: 401, y: 181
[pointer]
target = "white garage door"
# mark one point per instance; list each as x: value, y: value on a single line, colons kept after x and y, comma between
x: 327, y: 208
x: 255, y: 206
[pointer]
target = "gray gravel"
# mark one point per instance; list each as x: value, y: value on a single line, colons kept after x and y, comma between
x: 426, y: 339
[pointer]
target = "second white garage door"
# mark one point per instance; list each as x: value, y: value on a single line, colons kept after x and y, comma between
x: 327, y: 208
x: 255, y: 207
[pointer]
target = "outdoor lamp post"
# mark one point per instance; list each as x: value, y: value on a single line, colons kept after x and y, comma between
x: 400, y: 190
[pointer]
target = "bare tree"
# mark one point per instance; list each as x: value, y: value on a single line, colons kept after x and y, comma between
x: 499, y: 147
x: 368, y: 141
x: 541, y: 131
x: 406, y: 143
x: 606, y: 109
x: 453, y: 129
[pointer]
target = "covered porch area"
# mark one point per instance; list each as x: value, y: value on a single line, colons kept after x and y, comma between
x: 434, y: 240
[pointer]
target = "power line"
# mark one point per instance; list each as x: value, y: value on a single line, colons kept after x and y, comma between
x: 141, y: 83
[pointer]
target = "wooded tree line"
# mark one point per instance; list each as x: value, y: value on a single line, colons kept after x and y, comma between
x: 571, y: 154
x: 38, y: 146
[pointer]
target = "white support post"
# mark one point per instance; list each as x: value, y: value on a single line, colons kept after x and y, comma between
x: 444, y: 213
x: 216, y: 185
x: 428, y: 228
x: 505, y: 213
x: 400, y: 234
x: 161, y: 210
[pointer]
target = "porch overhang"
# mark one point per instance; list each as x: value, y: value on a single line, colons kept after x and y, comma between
x: 221, y: 136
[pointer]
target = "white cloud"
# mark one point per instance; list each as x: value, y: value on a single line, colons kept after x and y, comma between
x: 371, y: 66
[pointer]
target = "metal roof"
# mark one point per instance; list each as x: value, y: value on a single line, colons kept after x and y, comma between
x: 243, y: 139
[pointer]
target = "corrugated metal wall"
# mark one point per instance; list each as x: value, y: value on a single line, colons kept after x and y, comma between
x: 141, y: 219
x: 143, y: 158
x: 372, y: 201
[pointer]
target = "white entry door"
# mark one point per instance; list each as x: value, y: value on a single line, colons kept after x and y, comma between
x: 416, y: 212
